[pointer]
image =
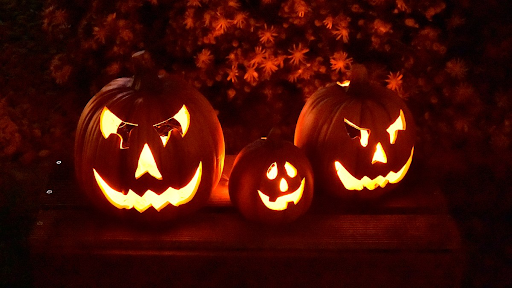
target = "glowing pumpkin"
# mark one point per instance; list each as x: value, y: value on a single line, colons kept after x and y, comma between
x: 271, y: 181
x: 148, y: 147
x: 358, y: 136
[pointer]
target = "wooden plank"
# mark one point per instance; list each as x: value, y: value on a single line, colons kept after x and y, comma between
x: 75, y: 230
x: 405, y: 240
x: 223, y: 250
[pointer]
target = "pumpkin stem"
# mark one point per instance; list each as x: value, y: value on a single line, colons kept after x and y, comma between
x: 358, y: 78
x: 274, y: 134
x: 146, y: 74
x: 359, y: 74
x: 275, y: 137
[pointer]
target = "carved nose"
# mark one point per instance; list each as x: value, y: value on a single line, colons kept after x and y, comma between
x: 147, y: 164
x: 283, y: 185
x: 379, y: 155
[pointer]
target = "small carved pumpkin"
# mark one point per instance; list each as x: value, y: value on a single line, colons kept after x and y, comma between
x: 358, y: 136
x: 271, y: 181
x: 149, y: 146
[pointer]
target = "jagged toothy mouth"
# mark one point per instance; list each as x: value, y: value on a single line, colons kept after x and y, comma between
x: 352, y: 183
x: 175, y: 197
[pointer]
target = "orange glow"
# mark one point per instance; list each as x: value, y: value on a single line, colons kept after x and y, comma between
x: 290, y: 170
x: 183, y: 118
x: 393, y: 129
x: 379, y: 155
x: 109, y: 123
x: 272, y: 171
x: 365, y: 133
x: 173, y: 196
x: 352, y: 183
x: 283, y: 185
x: 281, y: 202
x: 147, y: 164
x: 345, y: 83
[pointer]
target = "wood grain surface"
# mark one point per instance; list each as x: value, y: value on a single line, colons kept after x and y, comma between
x: 406, y: 240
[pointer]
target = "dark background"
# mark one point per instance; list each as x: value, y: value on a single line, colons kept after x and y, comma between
x: 455, y: 58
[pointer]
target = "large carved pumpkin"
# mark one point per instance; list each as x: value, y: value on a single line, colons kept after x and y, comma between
x: 271, y: 181
x: 359, y: 137
x: 148, y: 147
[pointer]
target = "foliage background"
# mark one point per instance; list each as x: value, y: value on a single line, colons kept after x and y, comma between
x: 257, y: 62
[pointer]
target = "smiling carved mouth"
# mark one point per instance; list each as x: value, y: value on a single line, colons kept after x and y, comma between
x: 352, y: 183
x: 173, y: 196
x: 281, y: 202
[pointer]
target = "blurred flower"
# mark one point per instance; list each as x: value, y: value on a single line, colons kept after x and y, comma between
x: 456, y: 68
x: 60, y: 17
x: 381, y: 27
x: 267, y: 35
x: 328, y: 22
x: 207, y: 17
x: 194, y: 3
x: 204, y: 58
x: 301, y: 8
x: 234, y: 4
x: 435, y: 10
x: 189, y: 19
x: 294, y: 75
x: 221, y: 24
x: 298, y: 54
x: 400, y: 4
x: 60, y: 70
x: 232, y: 74
x: 100, y: 34
x: 394, y: 81
x: 340, y: 62
x: 464, y: 92
x: 269, y: 65
x: 240, y: 19
x: 258, y: 56
x: 341, y: 32
x: 411, y: 23
x: 231, y: 93
x: 251, y: 75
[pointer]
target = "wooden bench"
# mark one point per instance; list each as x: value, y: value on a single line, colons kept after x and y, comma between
x: 408, y: 240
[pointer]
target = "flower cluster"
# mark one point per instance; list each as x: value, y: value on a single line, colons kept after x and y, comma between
x: 258, y: 61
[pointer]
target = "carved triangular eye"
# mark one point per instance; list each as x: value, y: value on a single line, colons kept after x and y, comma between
x: 165, y: 128
x: 354, y: 131
x: 398, y: 125
x: 111, y: 124
x: 351, y: 131
x: 180, y: 121
x: 124, y: 131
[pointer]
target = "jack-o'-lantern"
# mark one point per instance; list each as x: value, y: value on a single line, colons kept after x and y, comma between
x: 271, y: 181
x: 148, y: 147
x: 359, y: 137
